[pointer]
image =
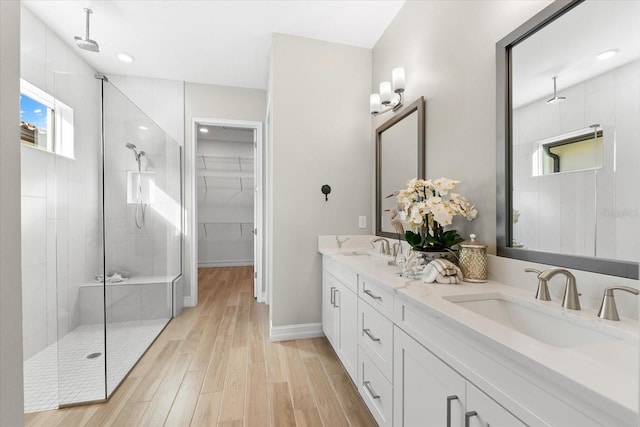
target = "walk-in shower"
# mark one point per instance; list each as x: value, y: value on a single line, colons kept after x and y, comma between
x: 101, y: 239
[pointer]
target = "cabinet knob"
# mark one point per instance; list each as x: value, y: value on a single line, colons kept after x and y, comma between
x: 372, y: 295
x: 370, y: 335
x: 449, y: 400
x: 373, y: 394
x: 468, y: 416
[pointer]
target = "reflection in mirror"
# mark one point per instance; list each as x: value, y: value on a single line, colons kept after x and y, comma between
x: 571, y: 152
x: 571, y: 137
x: 399, y: 157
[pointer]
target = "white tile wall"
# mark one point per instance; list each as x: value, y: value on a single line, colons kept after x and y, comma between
x: 558, y: 212
x: 59, y: 223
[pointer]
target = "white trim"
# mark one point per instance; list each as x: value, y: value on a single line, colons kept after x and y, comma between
x: 224, y: 263
x: 294, y: 332
x: 193, y: 267
x: 189, y: 302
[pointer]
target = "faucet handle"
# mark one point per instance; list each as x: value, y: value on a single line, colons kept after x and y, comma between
x: 608, y: 309
x: 542, y: 293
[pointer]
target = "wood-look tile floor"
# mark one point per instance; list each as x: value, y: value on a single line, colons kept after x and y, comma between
x: 214, y: 366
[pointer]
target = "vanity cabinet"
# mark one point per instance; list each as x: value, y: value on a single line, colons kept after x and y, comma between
x: 426, y: 388
x: 414, y: 365
x: 375, y: 348
x: 340, y: 316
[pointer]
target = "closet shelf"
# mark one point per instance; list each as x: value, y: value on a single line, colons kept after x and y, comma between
x: 241, y: 225
x: 225, y: 174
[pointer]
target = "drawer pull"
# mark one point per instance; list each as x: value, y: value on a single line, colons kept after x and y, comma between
x: 449, y: 399
x: 372, y: 295
x: 333, y: 297
x: 370, y: 335
x: 467, y: 417
x: 373, y: 394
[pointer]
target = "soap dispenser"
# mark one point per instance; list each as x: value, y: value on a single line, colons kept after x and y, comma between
x: 473, y: 260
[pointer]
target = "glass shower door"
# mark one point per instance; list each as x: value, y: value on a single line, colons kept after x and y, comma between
x: 77, y: 221
x: 142, y: 230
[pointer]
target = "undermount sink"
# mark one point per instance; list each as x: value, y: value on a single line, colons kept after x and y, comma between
x: 367, y: 253
x: 549, y: 325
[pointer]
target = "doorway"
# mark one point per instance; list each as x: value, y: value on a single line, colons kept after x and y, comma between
x: 227, y: 194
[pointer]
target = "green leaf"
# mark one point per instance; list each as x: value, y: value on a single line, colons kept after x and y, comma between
x: 413, y: 239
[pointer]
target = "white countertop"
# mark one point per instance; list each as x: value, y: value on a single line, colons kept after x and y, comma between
x: 609, y: 370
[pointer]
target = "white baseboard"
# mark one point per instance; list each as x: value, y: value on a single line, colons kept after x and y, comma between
x: 229, y: 263
x: 188, y: 302
x: 294, y: 332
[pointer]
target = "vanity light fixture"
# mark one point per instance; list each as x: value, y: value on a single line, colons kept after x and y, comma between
x: 391, y: 96
x: 607, y: 54
x: 555, y: 98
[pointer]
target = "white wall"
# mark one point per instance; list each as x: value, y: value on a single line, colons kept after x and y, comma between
x: 61, y: 214
x: 11, y: 387
x: 558, y: 212
x: 160, y: 99
x: 320, y: 127
x: 216, y: 102
x: 448, y: 50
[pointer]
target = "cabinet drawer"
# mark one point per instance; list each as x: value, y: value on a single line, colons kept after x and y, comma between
x: 378, y: 295
x: 375, y: 336
x: 342, y: 273
x: 375, y: 390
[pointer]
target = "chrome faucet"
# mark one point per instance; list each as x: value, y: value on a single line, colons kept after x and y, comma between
x: 384, y: 246
x: 570, y: 299
x: 608, y: 309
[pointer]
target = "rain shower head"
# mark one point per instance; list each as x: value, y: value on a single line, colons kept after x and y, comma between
x: 85, y: 42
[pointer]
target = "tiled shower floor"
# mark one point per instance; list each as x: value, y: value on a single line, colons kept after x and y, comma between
x: 62, y: 374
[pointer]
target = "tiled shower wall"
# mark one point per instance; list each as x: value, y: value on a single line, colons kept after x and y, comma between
x: 61, y: 223
x: 548, y: 204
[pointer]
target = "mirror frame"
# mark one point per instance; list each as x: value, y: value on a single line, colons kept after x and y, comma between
x: 504, y: 210
x: 416, y: 106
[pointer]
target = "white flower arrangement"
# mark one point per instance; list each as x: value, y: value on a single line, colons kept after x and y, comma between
x: 427, y: 207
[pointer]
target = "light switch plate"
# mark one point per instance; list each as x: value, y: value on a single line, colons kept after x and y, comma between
x: 362, y: 222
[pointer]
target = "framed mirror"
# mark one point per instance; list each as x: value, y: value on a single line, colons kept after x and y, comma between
x: 400, y: 155
x: 568, y: 138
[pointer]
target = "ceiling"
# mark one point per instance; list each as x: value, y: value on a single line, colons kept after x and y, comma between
x: 214, y: 42
x: 567, y: 48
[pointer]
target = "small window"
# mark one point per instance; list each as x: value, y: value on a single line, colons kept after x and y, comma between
x: 580, y: 150
x: 45, y: 122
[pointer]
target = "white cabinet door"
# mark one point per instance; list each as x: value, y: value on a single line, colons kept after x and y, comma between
x: 482, y: 411
x: 329, y: 310
x: 426, y: 390
x: 347, y: 303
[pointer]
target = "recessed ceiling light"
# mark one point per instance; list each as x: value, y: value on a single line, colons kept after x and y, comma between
x: 607, y: 54
x: 204, y: 130
x: 143, y: 127
x: 125, y: 57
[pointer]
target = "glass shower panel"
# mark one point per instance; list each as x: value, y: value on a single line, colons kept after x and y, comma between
x: 142, y: 230
x: 76, y: 218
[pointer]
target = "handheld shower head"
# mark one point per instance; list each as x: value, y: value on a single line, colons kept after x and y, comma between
x: 132, y: 147
x: 85, y: 42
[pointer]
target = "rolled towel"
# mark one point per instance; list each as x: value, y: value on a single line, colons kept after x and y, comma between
x: 442, y: 271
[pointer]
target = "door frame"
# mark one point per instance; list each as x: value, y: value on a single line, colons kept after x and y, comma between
x: 259, y: 294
